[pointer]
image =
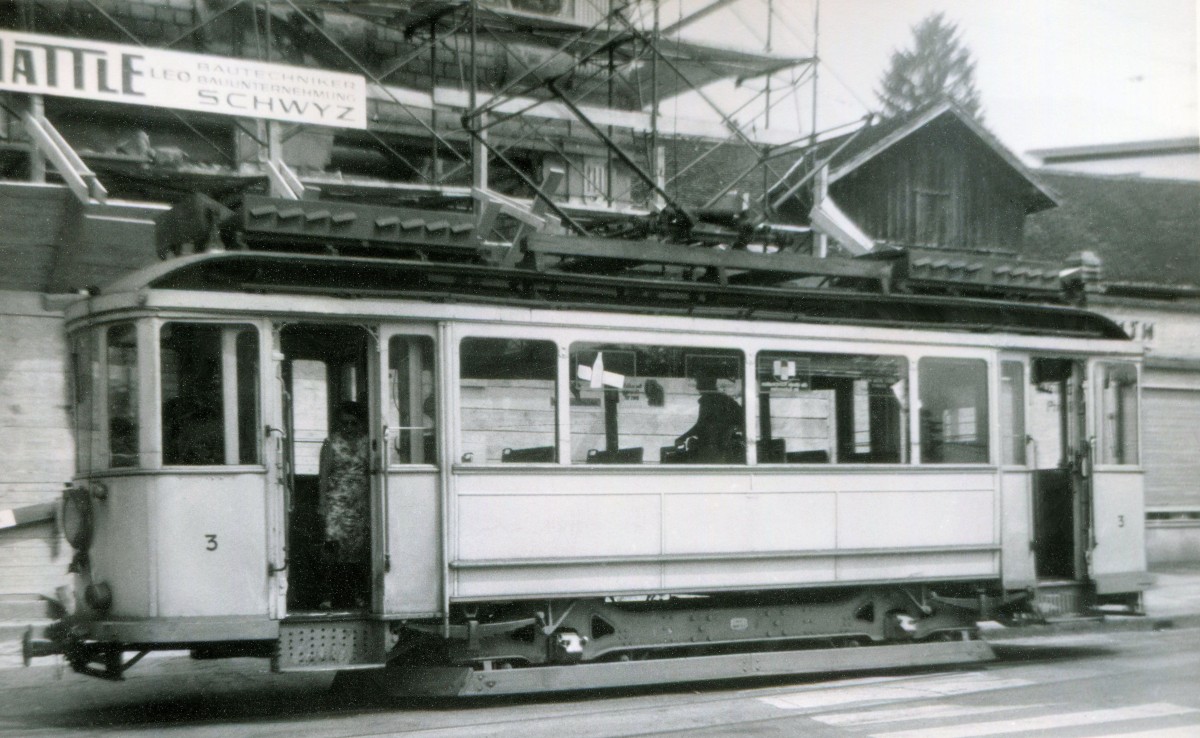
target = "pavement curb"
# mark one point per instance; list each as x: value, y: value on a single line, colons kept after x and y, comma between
x: 1110, y: 624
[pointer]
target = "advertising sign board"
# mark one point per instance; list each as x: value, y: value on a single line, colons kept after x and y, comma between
x: 91, y: 70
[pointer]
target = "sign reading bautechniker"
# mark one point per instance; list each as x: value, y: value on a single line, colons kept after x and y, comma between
x: 49, y: 65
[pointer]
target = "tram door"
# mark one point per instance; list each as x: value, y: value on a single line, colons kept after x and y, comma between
x: 1060, y: 458
x: 409, y: 540
x: 1118, y: 563
x: 327, y: 375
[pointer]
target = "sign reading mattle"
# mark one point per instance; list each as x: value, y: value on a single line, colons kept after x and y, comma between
x: 49, y: 65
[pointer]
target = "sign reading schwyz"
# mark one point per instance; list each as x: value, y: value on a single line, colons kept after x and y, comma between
x: 49, y: 65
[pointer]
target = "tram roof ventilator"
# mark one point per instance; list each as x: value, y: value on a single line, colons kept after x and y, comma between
x: 720, y: 259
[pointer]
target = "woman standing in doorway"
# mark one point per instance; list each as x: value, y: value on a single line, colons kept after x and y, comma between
x: 344, y: 509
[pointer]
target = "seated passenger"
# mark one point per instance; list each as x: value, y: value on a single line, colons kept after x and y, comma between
x: 718, y: 437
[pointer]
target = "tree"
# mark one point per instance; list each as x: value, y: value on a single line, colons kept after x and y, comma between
x: 937, y: 67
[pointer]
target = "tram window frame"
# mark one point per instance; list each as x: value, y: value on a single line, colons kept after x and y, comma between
x: 662, y: 385
x: 234, y: 388
x: 941, y: 390
x: 1118, y: 425
x: 86, y: 376
x: 857, y: 426
x: 527, y: 368
x: 1012, y: 413
x: 412, y: 443
x: 121, y: 395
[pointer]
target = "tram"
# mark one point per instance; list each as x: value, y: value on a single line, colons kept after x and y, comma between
x: 545, y: 512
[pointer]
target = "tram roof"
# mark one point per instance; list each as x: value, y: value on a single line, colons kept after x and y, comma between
x: 257, y: 272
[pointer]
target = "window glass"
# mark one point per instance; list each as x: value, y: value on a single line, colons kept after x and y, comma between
x: 209, y: 394
x: 1012, y: 412
x: 122, y: 372
x: 1118, y: 437
x: 85, y: 373
x: 507, y: 400
x: 414, y: 403
x: 1049, y: 412
x: 248, y: 413
x: 309, y: 413
x: 954, y: 411
x: 832, y: 408
x: 633, y: 404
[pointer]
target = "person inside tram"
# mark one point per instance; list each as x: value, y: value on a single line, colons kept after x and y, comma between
x: 344, y: 509
x: 718, y: 437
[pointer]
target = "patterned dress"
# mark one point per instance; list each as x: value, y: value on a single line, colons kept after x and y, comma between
x: 344, y: 504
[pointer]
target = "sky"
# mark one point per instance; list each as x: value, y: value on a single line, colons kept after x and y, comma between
x: 1050, y: 72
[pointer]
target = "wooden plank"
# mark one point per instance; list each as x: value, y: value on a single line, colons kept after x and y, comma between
x: 27, y: 515
x: 94, y: 247
x: 32, y: 215
x: 26, y: 266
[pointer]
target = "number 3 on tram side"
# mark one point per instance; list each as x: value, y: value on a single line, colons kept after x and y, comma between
x: 535, y: 487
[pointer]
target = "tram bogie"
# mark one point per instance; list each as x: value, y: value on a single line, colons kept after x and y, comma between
x: 572, y: 485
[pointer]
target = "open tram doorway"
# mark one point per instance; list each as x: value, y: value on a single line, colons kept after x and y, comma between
x: 327, y: 399
x: 1060, y: 451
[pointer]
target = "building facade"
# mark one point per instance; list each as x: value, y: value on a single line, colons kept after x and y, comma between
x: 499, y: 102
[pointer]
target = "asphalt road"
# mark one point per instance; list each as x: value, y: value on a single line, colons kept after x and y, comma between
x: 1140, y: 684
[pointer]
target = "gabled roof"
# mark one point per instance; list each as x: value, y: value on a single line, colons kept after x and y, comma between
x: 868, y: 143
x: 1146, y: 230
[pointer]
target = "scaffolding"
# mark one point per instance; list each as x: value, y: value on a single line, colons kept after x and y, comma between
x: 494, y: 96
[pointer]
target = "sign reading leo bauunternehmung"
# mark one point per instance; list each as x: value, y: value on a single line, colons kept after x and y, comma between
x: 49, y: 65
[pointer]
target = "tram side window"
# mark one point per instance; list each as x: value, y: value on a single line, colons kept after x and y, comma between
x: 85, y: 375
x: 1012, y: 412
x: 1118, y: 439
x: 209, y: 394
x: 414, y: 402
x: 954, y: 411
x: 506, y: 390
x: 633, y: 404
x: 122, y: 372
x: 832, y: 408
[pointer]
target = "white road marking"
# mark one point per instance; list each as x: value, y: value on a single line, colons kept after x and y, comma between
x: 913, y: 689
x: 920, y: 712
x: 1044, y: 722
x: 8, y: 519
x: 1181, y: 731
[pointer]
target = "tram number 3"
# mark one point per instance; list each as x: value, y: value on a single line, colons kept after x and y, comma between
x: 211, y: 541
x: 1120, y: 521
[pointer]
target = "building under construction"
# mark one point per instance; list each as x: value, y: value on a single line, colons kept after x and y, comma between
x: 526, y: 111
x: 482, y: 121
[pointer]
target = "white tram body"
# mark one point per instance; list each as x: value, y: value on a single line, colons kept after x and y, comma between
x: 520, y: 495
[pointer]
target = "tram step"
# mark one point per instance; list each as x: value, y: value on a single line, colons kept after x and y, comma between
x: 331, y: 645
x: 1064, y: 601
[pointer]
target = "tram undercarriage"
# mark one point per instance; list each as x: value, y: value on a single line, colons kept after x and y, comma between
x: 494, y: 648
x: 625, y: 629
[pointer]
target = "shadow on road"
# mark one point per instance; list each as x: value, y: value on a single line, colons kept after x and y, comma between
x: 1033, y: 654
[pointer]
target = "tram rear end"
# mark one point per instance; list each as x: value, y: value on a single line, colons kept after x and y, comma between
x: 169, y: 514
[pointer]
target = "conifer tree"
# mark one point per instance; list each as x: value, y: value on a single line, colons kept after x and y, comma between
x: 936, y: 67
